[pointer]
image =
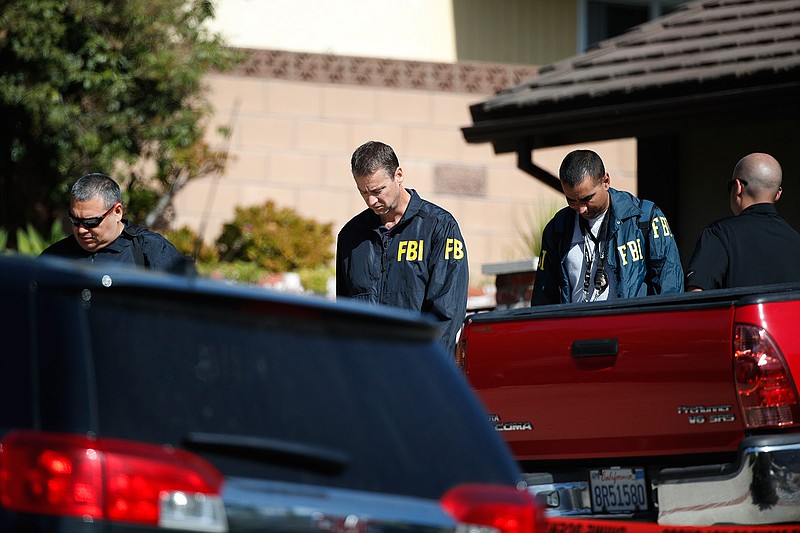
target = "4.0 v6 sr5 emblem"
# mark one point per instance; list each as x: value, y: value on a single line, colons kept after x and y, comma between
x: 713, y: 414
x: 499, y: 425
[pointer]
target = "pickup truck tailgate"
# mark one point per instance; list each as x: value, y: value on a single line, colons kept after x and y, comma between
x: 607, y: 382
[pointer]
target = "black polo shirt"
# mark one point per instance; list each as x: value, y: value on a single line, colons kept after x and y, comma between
x: 757, y: 247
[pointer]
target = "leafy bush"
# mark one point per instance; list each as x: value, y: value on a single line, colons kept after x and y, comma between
x: 185, y: 240
x: 31, y: 242
x: 316, y: 279
x: 530, y: 230
x: 260, y: 241
x: 238, y: 271
x: 277, y: 239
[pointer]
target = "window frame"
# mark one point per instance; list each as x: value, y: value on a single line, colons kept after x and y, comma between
x: 656, y: 8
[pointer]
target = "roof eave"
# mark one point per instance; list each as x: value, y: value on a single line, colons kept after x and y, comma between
x: 602, y: 118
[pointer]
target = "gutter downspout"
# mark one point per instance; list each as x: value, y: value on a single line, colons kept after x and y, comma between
x: 526, y: 164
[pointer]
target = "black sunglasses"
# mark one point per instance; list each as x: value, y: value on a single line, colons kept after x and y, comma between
x: 730, y: 183
x: 91, y: 222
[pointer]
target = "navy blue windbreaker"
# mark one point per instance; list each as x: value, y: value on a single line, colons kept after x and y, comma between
x: 419, y: 264
x: 642, y: 264
x: 158, y: 252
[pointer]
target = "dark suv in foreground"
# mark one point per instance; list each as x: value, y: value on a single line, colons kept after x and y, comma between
x: 135, y: 401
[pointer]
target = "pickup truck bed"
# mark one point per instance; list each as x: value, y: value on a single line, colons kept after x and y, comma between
x: 677, y: 407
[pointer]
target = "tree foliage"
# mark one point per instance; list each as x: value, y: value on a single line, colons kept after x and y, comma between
x: 114, y: 86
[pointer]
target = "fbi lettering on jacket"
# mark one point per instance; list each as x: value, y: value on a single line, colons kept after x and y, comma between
x: 632, y: 251
x: 415, y: 250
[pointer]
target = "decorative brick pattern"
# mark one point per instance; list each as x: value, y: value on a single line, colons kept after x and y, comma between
x: 472, y: 77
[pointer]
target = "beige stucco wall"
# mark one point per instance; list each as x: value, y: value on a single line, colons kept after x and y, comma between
x: 291, y: 142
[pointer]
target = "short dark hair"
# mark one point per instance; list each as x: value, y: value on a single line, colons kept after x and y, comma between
x: 580, y: 164
x: 373, y: 156
x: 96, y: 184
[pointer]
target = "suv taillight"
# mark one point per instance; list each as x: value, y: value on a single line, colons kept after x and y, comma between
x: 767, y: 395
x: 109, y: 479
x: 504, y: 509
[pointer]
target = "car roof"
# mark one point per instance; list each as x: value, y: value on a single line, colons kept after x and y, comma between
x: 50, y: 273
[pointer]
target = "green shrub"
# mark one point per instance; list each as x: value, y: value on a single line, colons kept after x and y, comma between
x: 185, y: 240
x: 279, y: 240
x: 238, y: 271
x: 31, y: 242
x: 316, y: 279
x: 530, y: 230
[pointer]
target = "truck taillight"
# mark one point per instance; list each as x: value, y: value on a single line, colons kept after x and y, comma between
x: 109, y: 479
x: 461, y: 353
x: 502, y: 509
x: 767, y: 395
x: 461, y: 345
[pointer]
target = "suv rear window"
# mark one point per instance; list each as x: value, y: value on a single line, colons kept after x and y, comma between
x: 347, y: 404
x: 15, y: 366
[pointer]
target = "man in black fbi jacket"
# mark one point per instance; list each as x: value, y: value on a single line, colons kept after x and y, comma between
x: 402, y: 251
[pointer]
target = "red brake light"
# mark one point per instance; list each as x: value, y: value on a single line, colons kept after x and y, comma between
x: 506, y: 509
x: 109, y: 479
x: 767, y: 396
x: 461, y: 345
x: 461, y: 354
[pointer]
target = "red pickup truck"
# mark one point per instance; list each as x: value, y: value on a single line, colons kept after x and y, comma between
x: 680, y: 409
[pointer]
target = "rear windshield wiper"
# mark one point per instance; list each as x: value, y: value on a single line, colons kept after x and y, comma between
x: 297, y: 454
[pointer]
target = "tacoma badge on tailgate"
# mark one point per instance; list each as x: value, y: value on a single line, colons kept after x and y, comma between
x: 509, y: 426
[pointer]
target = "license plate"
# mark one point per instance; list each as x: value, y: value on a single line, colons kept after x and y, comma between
x: 618, y: 490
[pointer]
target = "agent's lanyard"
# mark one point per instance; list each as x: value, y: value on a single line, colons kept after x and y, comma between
x: 600, y: 278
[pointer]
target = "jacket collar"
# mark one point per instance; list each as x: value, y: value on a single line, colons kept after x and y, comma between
x: 624, y: 205
x: 123, y: 241
x: 413, y: 208
x: 763, y: 208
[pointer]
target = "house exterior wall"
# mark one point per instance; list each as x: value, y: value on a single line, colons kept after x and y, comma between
x: 296, y: 119
x: 531, y: 32
x: 419, y: 30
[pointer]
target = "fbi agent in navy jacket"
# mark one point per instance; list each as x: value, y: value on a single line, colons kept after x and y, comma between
x: 402, y: 251
x: 606, y: 244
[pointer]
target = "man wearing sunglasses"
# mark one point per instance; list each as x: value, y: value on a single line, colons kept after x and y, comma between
x: 102, y: 236
x: 755, y: 246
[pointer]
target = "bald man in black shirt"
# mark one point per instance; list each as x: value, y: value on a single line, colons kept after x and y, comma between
x: 753, y: 247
